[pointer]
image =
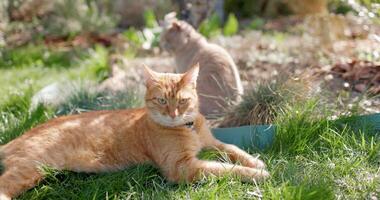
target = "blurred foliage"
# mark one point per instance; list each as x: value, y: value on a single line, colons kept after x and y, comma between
x: 97, y: 62
x: 360, y: 7
x: 38, y: 55
x: 21, y: 70
x: 134, y: 36
x: 148, y: 37
x: 71, y: 17
x: 150, y: 19
x: 57, y: 18
x: 339, y: 6
x: 274, y: 8
x: 135, y: 40
x: 257, y: 23
x: 32, y: 56
x: 250, y: 8
x: 232, y: 25
x: 211, y: 26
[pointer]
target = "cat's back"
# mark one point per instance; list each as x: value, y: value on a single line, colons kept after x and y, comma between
x: 216, y: 61
x: 214, y: 56
x: 91, y: 120
x: 219, y: 71
x: 79, y: 127
x: 89, y: 142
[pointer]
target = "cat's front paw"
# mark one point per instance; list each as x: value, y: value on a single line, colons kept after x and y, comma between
x: 264, y: 174
x: 255, y: 163
x: 257, y: 175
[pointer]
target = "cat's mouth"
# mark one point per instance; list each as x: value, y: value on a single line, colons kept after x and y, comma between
x: 186, y: 120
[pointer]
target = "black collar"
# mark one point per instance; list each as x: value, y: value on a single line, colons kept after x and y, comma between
x: 189, y: 125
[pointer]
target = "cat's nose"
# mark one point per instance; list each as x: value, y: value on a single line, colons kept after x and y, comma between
x: 173, y: 113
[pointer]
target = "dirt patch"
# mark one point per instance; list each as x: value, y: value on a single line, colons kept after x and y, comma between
x: 362, y: 75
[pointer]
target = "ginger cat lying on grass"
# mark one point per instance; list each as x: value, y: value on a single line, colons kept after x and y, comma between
x: 168, y: 132
x: 218, y: 74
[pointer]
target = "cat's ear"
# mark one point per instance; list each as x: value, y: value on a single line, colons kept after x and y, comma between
x: 190, y: 77
x: 149, y: 75
x: 176, y: 25
x: 170, y: 16
x: 168, y: 19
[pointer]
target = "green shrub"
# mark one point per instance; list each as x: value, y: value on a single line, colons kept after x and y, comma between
x: 150, y: 19
x: 260, y: 105
x: 211, y: 26
x: 84, y: 100
x: 134, y: 36
x: 16, y: 117
x: 147, y: 38
x: 232, y: 25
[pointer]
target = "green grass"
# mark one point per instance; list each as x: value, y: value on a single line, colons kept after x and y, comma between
x: 21, y: 71
x: 27, y: 69
x: 312, y: 157
x: 84, y: 100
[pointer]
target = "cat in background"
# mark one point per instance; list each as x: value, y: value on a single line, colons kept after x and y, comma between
x: 219, y: 81
x: 168, y: 133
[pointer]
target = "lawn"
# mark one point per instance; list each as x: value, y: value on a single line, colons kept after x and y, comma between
x: 312, y: 157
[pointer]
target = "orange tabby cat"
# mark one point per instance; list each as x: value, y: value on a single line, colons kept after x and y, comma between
x: 219, y: 76
x: 168, y: 132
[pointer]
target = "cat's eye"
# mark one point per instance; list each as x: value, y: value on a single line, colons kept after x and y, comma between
x: 183, y: 101
x: 161, y: 101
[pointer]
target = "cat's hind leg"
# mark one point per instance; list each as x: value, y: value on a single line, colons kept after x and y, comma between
x: 18, y: 179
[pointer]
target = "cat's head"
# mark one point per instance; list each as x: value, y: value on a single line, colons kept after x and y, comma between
x: 175, y: 33
x: 171, y: 99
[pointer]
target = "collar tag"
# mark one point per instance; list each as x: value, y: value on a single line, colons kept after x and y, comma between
x: 189, y: 125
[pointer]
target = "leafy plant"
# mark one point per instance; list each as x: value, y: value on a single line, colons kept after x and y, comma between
x: 211, y: 26
x: 134, y: 36
x: 146, y: 38
x: 261, y: 105
x: 150, y: 19
x: 97, y: 62
x: 84, y: 99
x: 232, y: 25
